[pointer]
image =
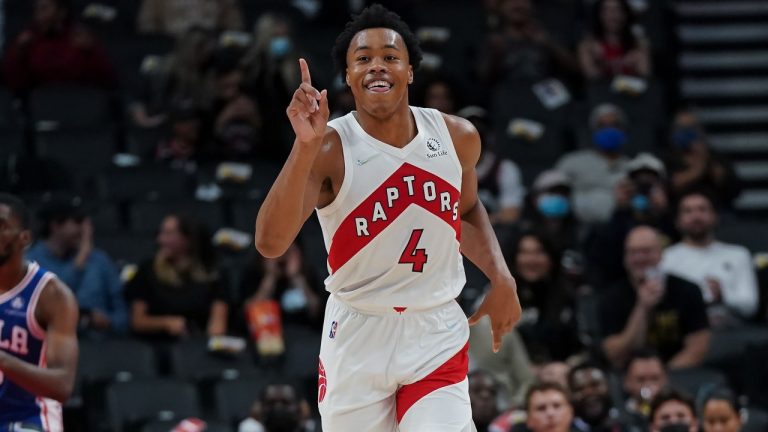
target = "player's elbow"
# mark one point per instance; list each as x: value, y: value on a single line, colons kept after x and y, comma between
x: 63, y: 392
x: 269, y: 247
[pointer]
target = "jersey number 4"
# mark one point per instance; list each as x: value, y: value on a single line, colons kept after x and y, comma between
x: 412, y: 255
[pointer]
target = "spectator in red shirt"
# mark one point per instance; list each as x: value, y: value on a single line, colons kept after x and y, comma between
x: 54, y: 49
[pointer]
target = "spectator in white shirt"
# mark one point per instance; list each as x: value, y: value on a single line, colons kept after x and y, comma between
x: 724, y: 272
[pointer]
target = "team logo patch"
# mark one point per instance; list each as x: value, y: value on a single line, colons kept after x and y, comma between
x: 433, y: 144
x: 332, y: 333
x: 18, y: 303
x: 321, y: 381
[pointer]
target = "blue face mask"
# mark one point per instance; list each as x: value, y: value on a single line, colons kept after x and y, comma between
x: 683, y: 138
x: 640, y: 203
x: 609, y: 139
x: 553, y: 206
x: 279, y: 46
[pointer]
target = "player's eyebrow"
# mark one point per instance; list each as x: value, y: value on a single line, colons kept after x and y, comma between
x: 364, y: 47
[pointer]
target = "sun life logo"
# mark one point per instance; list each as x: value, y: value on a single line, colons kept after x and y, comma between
x: 435, y: 148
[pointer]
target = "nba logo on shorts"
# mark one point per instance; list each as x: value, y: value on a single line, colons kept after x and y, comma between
x: 332, y: 333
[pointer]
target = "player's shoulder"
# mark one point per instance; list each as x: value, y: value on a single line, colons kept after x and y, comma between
x: 459, y: 127
x: 466, y: 139
x: 57, y: 294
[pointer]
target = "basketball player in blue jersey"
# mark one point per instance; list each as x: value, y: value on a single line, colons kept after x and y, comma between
x: 395, y: 190
x: 38, y: 332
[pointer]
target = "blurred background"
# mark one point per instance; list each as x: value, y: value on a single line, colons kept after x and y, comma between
x: 144, y: 134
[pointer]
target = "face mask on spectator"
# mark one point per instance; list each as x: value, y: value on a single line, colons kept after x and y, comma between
x: 293, y: 300
x: 683, y: 138
x: 281, y: 420
x: 640, y: 203
x: 675, y: 427
x: 279, y: 46
x: 553, y: 205
x: 609, y: 139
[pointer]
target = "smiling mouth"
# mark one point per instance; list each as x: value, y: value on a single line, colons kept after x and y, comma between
x: 378, y: 86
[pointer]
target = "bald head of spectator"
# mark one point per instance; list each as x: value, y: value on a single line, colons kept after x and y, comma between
x: 642, y: 251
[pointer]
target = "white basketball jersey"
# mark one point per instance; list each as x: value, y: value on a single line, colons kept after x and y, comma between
x: 392, y: 233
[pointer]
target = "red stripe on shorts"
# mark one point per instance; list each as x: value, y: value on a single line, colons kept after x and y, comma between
x: 451, y: 372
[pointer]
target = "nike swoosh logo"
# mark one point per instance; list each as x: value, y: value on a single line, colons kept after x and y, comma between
x: 365, y: 161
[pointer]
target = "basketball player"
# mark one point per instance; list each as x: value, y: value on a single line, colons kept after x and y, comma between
x: 396, y: 194
x: 38, y: 322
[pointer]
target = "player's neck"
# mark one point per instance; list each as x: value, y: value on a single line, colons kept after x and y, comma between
x: 12, y: 272
x: 396, y: 130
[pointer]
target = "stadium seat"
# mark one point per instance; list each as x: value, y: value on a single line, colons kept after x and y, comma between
x: 11, y: 127
x: 234, y: 398
x: 244, y: 214
x: 146, y: 182
x: 146, y: 216
x: 126, y: 248
x: 191, y: 360
x: 85, y: 153
x: 748, y: 232
x: 51, y: 107
x: 692, y: 380
x: 138, y: 402
x: 107, y: 218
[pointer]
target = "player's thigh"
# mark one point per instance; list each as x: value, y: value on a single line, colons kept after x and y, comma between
x: 446, y: 409
x: 373, y: 417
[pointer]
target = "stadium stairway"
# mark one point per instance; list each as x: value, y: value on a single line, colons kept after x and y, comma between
x: 723, y: 67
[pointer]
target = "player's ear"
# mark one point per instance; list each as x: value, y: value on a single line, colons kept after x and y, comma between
x: 346, y: 77
x: 26, y: 238
x: 410, y: 74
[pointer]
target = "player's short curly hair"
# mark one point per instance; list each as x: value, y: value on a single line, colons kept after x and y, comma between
x: 375, y: 16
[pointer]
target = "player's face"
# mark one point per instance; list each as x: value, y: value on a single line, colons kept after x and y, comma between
x: 378, y: 71
x: 13, y: 239
x: 549, y: 411
x: 674, y: 412
x: 719, y: 416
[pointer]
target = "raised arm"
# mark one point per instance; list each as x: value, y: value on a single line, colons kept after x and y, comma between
x: 478, y: 240
x: 302, y: 180
x: 57, y: 314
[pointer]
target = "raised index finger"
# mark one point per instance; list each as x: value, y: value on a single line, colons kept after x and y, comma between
x: 305, y: 77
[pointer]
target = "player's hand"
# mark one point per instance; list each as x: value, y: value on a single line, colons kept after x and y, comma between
x: 503, y: 308
x: 308, y: 110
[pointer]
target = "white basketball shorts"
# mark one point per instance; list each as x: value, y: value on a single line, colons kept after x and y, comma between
x: 404, y: 370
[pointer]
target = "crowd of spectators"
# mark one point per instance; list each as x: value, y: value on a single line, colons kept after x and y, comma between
x: 620, y: 272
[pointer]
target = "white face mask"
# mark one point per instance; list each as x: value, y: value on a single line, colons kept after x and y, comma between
x: 293, y: 300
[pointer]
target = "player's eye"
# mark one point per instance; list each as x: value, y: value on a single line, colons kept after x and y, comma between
x: 390, y: 58
x: 362, y: 58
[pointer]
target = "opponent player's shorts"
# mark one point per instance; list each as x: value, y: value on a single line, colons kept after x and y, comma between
x: 400, y: 370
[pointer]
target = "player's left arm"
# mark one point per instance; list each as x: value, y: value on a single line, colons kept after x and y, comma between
x: 478, y: 240
x: 57, y: 313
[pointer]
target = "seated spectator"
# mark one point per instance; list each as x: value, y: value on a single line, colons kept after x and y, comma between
x: 272, y: 75
x: 595, y: 171
x: 721, y: 411
x: 650, y: 309
x: 592, y: 401
x: 66, y: 248
x: 289, y: 281
x: 641, y: 199
x: 612, y: 46
x: 554, y: 372
x: 184, y: 143
x: 483, y: 398
x: 53, y: 50
x: 694, y: 166
x: 549, y: 210
x: 175, y: 17
x: 184, y: 74
x: 549, y: 409
x: 236, y: 123
x: 723, y: 271
x: 521, y: 49
x: 510, y: 367
x: 673, y: 411
x: 439, y: 93
x: 500, y: 185
x: 178, y: 292
x: 644, y: 377
x: 548, y: 325
x: 279, y: 409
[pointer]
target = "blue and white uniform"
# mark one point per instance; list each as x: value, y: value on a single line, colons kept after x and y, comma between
x: 22, y: 336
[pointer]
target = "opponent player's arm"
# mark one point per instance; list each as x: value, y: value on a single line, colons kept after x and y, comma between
x: 297, y: 188
x: 58, y: 314
x: 478, y: 240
